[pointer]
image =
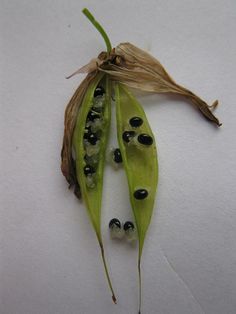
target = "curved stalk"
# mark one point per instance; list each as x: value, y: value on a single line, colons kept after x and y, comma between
x: 91, y: 18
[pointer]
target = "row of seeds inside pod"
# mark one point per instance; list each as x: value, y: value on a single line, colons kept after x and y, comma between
x: 142, y: 141
x: 92, y: 135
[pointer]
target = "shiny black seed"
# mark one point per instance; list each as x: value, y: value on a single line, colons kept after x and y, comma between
x: 128, y: 226
x: 117, y: 156
x: 99, y: 91
x: 114, y: 223
x: 88, y: 170
x: 127, y: 136
x: 145, y: 139
x: 140, y: 194
x: 92, y: 116
x: 135, y: 122
x: 92, y: 138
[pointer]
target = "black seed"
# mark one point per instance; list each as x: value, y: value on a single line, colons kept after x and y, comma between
x: 145, y: 139
x: 117, y: 156
x: 135, y: 122
x: 114, y: 223
x: 92, y: 138
x: 99, y: 91
x: 87, y: 132
x: 88, y: 170
x: 127, y: 136
x: 92, y: 116
x: 140, y: 194
x: 128, y: 226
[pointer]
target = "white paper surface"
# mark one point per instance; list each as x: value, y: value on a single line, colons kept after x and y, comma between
x: 50, y: 261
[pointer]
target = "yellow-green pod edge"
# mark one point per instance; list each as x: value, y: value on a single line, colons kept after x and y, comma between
x: 93, y: 196
x: 140, y: 163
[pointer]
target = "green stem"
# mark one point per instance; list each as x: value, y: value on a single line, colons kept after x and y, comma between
x: 99, y: 28
x: 107, y: 274
x: 140, y: 285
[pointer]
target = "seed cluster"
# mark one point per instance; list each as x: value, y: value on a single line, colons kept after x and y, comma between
x: 92, y: 136
x: 131, y: 136
x: 136, y: 138
x: 87, y: 120
x: 117, y: 232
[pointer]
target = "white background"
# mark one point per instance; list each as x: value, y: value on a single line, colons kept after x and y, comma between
x: 50, y: 261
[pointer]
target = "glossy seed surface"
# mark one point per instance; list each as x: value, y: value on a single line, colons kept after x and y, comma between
x: 135, y: 122
x: 114, y: 223
x: 140, y: 194
x: 92, y: 138
x: 99, y: 91
x: 128, y: 135
x: 117, y: 156
x: 145, y: 139
x: 88, y: 170
x: 128, y: 225
x: 92, y: 116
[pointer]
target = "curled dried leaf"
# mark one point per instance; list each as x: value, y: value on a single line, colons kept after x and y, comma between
x: 136, y: 68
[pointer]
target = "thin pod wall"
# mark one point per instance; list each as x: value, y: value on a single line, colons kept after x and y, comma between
x: 86, y: 132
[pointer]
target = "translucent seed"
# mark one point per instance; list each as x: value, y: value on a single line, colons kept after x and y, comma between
x: 128, y: 135
x: 98, y: 102
x: 92, y: 149
x: 116, y: 233
x: 90, y: 182
x: 110, y: 159
x: 115, y: 229
x: 140, y: 194
x: 96, y: 125
x: 145, y: 139
x: 92, y: 116
x: 91, y: 160
x: 130, y: 231
x: 99, y: 91
x: 97, y: 109
x: 135, y: 122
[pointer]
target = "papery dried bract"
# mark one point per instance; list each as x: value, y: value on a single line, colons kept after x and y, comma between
x: 138, y: 69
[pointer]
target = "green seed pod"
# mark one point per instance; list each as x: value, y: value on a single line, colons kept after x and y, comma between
x: 140, y: 163
x: 91, y: 182
x: 87, y: 121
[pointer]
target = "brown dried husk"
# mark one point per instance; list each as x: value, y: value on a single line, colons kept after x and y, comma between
x: 136, y: 68
x: 67, y: 161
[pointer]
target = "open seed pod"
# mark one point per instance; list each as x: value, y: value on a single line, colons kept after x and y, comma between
x: 86, y: 132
